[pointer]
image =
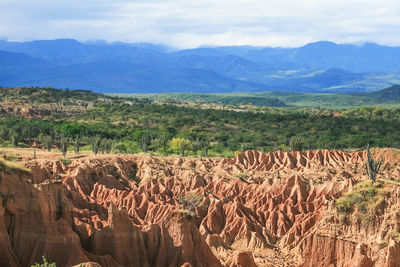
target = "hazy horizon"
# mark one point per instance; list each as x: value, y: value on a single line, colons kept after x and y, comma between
x: 172, y: 48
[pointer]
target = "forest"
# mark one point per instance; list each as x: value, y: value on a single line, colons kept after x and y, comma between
x: 114, y: 125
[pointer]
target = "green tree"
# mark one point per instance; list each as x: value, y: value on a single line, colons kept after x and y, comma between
x: 180, y: 144
x: 73, y: 129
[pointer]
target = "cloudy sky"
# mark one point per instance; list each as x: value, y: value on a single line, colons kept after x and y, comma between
x: 188, y: 23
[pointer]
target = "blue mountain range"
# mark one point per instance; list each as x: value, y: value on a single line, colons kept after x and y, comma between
x: 148, y: 68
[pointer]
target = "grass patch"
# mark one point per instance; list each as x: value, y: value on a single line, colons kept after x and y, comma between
x: 11, y: 166
x: 65, y: 161
x: 386, y: 181
x: 241, y: 175
x: 12, y: 158
x: 365, y: 198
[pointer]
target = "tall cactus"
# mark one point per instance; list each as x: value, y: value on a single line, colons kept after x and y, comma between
x: 64, y: 145
x: 145, y: 141
x: 372, y: 166
x: 297, y: 143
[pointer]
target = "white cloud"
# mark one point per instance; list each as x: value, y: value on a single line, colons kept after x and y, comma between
x: 183, y: 23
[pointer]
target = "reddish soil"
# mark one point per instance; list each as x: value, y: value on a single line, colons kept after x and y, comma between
x: 257, y: 209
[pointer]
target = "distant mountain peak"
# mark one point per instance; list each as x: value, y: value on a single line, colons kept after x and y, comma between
x: 321, y: 44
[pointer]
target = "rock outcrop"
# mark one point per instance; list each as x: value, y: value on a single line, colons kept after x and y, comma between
x: 256, y: 209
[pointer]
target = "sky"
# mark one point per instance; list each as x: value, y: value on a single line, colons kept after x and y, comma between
x: 189, y: 24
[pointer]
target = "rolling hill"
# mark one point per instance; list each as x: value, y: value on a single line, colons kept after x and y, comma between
x: 386, y: 97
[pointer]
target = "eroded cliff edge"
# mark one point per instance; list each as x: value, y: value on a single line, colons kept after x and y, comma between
x: 274, y: 209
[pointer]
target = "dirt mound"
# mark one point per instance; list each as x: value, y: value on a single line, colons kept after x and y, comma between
x: 274, y: 209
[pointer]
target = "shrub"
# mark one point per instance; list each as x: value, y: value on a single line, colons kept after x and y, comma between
x: 11, y: 158
x: 23, y: 145
x: 44, y: 264
x: 130, y: 147
x: 65, y: 161
x: 191, y: 202
x: 241, y: 175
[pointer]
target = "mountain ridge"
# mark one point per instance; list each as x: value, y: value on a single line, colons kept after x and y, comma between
x: 146, y: 68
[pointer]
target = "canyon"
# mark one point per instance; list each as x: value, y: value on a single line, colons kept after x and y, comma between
x: 256, y: 209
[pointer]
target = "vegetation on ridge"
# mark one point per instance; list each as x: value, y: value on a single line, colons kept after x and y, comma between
x: 388, y: 97
x: 110, y: 125
x: 11, y: 166
x: 365, y: 198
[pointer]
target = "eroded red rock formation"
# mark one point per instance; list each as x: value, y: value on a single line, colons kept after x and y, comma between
x: 257, y: 209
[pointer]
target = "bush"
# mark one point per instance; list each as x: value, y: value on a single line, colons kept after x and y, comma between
x: 191, y: 202
x: 364, y: 198
x: 180, y: 144
x: 44, y: 264
x: 11, y: 158
x: 241, y: 175
x: 86, y: 148
x: 65, y: 161
x: 23, y: 145
x: 6, y: 144
x: 129, y: 147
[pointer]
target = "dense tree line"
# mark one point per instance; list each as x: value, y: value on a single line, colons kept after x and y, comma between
x: 169, y: 129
